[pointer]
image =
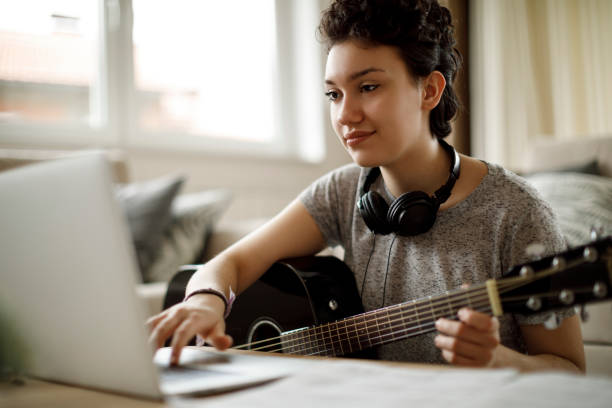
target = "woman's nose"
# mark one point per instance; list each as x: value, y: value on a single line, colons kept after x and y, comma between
x: 350, y: 111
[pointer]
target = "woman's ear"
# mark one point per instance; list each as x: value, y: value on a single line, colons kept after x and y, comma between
x: 433, y: 88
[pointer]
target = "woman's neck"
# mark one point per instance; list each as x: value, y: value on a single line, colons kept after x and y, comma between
x: 424, y: 168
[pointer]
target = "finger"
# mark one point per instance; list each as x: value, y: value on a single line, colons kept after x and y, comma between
x: 464, y: 349
x: 165, y: 328
x: 181, y: 336
x: 218, y: 338
x: 465, y: 285
x: 467, y: 333
x: 459, y: 360
x: 154, y: 320
x: 478, y: 320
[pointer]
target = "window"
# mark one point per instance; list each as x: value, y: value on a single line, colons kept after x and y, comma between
x: 218, y: 76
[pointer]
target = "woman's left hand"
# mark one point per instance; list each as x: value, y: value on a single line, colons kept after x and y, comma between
x: 472, y: 341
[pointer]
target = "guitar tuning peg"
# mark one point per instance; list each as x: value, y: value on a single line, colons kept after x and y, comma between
x: 552, y: 322
x: 535, y: 250
x: 596, y: 232
x: 584, y: 315
x: 566, y: 297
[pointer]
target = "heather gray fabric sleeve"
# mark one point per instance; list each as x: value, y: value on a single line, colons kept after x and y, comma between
x: 325, y: 200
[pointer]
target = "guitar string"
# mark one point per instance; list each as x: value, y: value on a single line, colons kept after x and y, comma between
x: 414, y: 330
x: 404, y: 334
x: 326, y: 329
x: 365, y: 316
x: 430, y: 309
x: 389, y: 335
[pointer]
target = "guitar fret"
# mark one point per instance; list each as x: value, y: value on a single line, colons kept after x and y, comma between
x: 324, y: 337
x: 364, y: 329
x: 337, y: 335
x: 433, y: 313
x: 349, y: 337
x: 390, y: 325
x: 355, y: 329
x: 403, y: 317
x: 450, y: 308
x: 321, y: 345
x: 416, y: 315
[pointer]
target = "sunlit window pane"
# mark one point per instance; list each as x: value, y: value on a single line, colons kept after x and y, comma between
x: 206, y: 67
x: 49, y: 65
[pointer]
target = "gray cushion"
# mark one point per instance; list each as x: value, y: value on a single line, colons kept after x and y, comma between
x: 193, y: 217
x: 580, y: 202
x: 147, y: 207
x: 589, y: 167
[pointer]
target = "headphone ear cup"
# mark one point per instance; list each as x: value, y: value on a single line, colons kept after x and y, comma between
x: 373, y: 209
x: 412, y: 213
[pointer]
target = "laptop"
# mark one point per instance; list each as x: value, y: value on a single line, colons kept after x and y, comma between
x: 68, y: 278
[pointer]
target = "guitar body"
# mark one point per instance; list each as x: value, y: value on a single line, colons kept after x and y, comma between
x: 292, y: 294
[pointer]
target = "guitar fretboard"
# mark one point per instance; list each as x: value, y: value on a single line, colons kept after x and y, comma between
x: 384, y: 325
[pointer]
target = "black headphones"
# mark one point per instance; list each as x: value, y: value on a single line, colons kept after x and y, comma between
x: 413, y: 212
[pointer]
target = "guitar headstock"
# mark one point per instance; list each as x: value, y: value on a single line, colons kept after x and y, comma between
x: 577, y: 276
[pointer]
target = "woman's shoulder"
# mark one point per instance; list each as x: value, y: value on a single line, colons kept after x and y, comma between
x: 509, y: 186
x: 346, y: 175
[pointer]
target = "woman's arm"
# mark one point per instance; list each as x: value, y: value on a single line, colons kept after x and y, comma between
x: 290, y: 234
x: 474, y: 341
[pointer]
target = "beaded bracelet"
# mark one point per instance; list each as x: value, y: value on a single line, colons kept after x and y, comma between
x: 228, y: 303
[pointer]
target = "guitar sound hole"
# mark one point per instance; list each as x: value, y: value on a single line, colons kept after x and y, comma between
x: 264, y: 336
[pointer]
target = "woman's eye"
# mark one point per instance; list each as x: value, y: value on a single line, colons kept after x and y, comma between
x: 331, y: 95
x: 368, y: 88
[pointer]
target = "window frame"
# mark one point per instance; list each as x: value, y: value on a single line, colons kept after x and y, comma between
x: 299, y: 107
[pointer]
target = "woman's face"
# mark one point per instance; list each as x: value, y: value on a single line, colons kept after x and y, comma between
x: 375, y: 103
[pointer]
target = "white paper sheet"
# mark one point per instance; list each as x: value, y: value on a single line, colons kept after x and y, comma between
x: 353, y: 384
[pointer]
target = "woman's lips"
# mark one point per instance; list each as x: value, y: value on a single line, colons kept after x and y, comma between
x: 355, y: 137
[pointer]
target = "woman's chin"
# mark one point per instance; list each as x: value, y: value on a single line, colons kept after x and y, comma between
x: 362, y: 161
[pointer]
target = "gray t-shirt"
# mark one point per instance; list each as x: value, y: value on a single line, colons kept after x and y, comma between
x: 479, y: 238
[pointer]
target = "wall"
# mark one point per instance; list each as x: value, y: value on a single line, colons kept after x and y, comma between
x: 261, y: 187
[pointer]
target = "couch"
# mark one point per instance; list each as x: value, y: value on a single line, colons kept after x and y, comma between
x: 548, y: 166
x: 575, y: 177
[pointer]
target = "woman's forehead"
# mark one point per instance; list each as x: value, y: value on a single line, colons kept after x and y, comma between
x: 349, y: 58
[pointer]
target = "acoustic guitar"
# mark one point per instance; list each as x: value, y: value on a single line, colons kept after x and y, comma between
x: 311, y: 306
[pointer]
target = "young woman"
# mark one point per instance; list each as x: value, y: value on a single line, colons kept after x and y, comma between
x: 414, y: 218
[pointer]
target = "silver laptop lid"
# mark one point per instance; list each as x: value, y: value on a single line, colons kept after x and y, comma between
x: 68, y: 276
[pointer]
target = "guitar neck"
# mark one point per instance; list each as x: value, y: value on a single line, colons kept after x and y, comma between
x: 386, y: 325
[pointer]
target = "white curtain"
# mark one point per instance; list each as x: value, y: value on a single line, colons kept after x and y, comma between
x: 538, y: 69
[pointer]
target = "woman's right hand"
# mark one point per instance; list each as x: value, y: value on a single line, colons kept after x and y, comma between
x: 201, y: 315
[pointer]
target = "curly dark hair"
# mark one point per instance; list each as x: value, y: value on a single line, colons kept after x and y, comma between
x: 421, y: 29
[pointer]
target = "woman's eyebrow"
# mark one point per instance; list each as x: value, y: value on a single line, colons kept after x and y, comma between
x: 356, y: 75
